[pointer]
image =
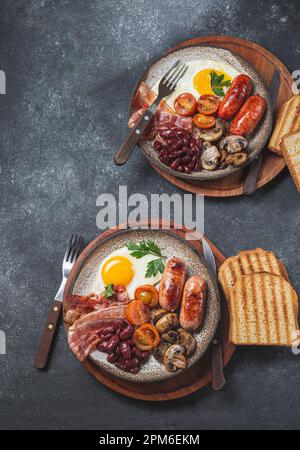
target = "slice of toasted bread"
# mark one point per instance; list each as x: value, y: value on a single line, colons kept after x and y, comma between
x: 248, y: 261
x: 262, y: 311
x: 287, y: 122
x: 290, y: 146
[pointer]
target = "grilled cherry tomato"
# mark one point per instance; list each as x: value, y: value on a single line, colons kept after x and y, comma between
x: 137, y: 312
x: 204, y: 122
x: 146, y: 337
x: 147, y: 294
x: 185, y: 104
x: 208, y: 104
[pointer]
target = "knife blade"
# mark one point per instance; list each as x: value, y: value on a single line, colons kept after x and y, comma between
x: 250, y: 183
x: 217, y: 374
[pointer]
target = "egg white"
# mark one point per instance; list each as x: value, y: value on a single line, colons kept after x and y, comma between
x: 185, y: 84
x: 139, y: 267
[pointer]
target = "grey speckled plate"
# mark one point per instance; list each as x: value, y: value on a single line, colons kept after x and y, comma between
x: 261, y: 134
x: 171, y: 245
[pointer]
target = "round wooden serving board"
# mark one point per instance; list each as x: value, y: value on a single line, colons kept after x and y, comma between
x: 265, y: 63
x: 184, y: 383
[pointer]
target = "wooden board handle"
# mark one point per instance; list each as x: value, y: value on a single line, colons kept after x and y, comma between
x: 47, y: 338
x: 217, y: 374
x: 132, y: 139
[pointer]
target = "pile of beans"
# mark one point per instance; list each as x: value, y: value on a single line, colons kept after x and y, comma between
x: 116, y: 341
x: 179, y: 150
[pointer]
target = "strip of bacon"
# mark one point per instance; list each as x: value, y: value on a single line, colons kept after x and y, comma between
x: 164, y: 117
x: 143, y: 97
x: 84, y: 334
x: 78, y: 305
x: 82, y: 303
x: 84, y: 340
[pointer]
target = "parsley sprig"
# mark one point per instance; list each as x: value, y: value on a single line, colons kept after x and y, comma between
x: 144, y: 248
x: 109, y: 291
x: 218, y: 83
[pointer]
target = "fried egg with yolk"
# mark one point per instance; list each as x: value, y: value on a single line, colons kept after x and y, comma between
x: 119, y: 267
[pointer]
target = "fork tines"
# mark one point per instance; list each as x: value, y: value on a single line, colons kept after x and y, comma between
x: 74, y: 248
x: 173, y: 75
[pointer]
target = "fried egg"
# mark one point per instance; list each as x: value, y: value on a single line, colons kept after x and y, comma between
x: 197, y: 79
x: 119, y: 267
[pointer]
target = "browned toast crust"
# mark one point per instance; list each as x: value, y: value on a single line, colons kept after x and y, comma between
x: 287, y: 121
x: 290, y: 156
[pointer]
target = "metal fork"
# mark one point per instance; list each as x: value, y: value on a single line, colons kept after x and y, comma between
x: 72, y: 252
x: 166, y: 87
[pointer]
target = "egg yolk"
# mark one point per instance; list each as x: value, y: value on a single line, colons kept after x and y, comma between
x: 117, y: 270
x: 202, y: 81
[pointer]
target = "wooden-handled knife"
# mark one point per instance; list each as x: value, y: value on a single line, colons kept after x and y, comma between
x: 250, y: 183
x: 217, y: 374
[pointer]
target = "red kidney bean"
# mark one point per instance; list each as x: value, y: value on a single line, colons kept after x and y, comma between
x: 124, y: 324
x: 170, y: 159
x: 186, y: 169
x: 121, y: 365
x: 103, y: 347
x: 125, y: 350
x: 177, y: 153
x: 174, y: 165
x: 108, y: 330
x: 157, y: 145
x: 166, y: 133
x: 172, y: 141
x: 117, y: 350
x: 177, y: 145
x: 135, y: 370
x: 185, y: 159
x: 130, y: 342
x: 107, y: 337
x: 127, y: 332
x: 197, y: 167
x: 132, y: 363
x: 112, y: 343
x: 112, y: 358
x: 145, y: 356
x: 136, y: 352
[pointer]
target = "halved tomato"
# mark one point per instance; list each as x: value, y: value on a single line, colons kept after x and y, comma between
x: 146, y: 337
x: 147, y: 294
x: 208, y: 104
x: 137, y: 312
x: 185, y: 104
x: 204, y: 122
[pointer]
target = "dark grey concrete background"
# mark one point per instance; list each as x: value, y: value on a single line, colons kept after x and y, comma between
x: 71, y: 67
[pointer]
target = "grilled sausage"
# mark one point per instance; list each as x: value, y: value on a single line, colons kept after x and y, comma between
x: 193, y: 303
x: 235, y: 97
x: 171, y: 286
x: 249, y: 116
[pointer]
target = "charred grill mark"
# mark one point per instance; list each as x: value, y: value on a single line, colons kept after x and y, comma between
x: 273, y: 300
x: 259, y: 263
x: 245, y: 311
x: 255, y: 306
x: 285, y: 313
